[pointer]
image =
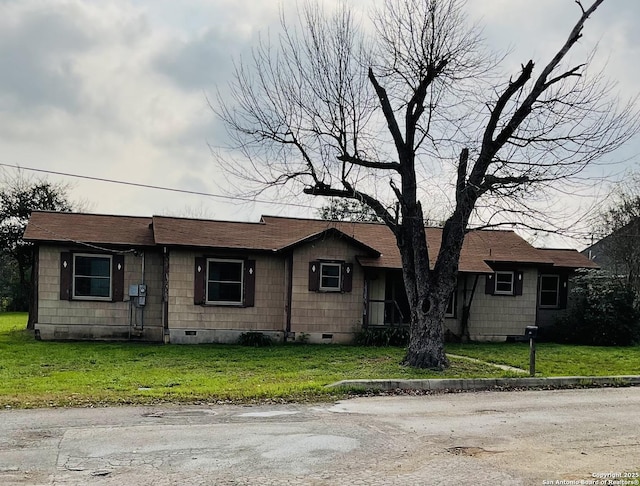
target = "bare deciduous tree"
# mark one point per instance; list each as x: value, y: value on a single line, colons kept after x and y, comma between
x: 368, y: 114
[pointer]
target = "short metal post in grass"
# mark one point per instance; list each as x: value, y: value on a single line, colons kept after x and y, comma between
x: 531, y: 332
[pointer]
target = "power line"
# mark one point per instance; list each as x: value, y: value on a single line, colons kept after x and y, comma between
x: 164, y: 188
x: 160, y: 188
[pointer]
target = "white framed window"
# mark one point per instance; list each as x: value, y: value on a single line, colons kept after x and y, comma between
x: 504, y: 283
x: 451, y: 305
x: 225, y: 281
x: 549, y: 291
x: 330, y: 277
x: 92, y: 276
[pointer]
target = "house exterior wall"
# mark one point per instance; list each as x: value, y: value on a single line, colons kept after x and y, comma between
x: 494, y: 317
x: 194, y: 323
x: 547, y: 317
x: 326, y: 316
x: 86, y: 319
x: 320, y: 316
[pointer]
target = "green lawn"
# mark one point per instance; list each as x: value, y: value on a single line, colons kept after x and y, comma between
x: 34, y: 374
x: 557, y: 359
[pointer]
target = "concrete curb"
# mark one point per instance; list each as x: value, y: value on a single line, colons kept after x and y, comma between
x: 475, y: 384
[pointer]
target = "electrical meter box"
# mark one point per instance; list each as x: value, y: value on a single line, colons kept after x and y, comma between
x: 142, y: 294
x: 138, y: 293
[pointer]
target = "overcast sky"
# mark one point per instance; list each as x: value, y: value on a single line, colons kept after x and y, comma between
x: 118, y: 89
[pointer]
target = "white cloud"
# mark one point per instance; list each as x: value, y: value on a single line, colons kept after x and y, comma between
x: 117, y: 89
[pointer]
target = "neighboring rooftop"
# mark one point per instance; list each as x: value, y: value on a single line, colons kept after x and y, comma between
x: 569, y: 258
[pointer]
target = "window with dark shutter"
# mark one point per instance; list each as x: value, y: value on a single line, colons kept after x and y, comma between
x: 518, y: 284
x: 117, y: 281
x: 92, y: 276
x: 314, y: 276
x: 504, y: 283
x: 489, y: 286
x: 225, y: 281
x: 199, y: 281
x: 249, y: 283
x: 330, y: 276
x: 66, y: 275
x: 347, y: 277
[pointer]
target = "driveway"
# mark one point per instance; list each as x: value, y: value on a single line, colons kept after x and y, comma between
x: 483, y: 438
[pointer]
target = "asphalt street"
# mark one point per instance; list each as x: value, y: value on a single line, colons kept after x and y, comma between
x: 475, y: 438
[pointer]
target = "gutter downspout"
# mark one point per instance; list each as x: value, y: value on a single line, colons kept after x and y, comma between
x: 144, y: 258
x: 289, y: 264
x: 165, y: 294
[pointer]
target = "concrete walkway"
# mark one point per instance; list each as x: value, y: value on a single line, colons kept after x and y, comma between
x: 502, y: 367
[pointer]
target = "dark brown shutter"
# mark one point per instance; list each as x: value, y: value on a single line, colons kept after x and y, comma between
x: 117, y: 278
x: 66, y: 275
x: 199, y: 281
x: 489, y: 283
x: 563, y: 291
x: 518, y: 283
x: 347, y: 277
x: 249, y: 283
x: 314, y: 276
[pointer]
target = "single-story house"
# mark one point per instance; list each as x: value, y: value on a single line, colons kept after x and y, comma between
x: 168, y: 279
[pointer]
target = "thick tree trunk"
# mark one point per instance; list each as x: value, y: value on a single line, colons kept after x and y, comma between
x: 426, y: 342
x: 427, y: 299
x: 428, y: 290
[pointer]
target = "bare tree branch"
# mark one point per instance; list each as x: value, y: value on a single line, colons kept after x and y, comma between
x: 370, y: 115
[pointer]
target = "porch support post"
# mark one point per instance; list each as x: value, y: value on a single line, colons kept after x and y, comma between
x: 466, y: 309
x: 365, y: 303
x: 289, y: 286
x: 165, y: 294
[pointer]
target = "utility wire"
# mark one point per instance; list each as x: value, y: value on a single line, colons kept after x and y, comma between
x: 160, y: 188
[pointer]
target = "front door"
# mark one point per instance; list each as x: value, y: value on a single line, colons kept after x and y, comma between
x: 396, y: 310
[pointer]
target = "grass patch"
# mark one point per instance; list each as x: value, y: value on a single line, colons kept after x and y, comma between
x: 557, y: 359
x: 37, y: 374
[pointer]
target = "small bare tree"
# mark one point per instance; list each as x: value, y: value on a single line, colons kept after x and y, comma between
x: 368, y: 114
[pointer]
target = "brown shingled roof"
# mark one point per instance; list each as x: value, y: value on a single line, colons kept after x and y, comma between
x: 568, y: 258
x: 479, y: 247
x: 171, y: 231
x: 65, y: 227
x: 272, y: 233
